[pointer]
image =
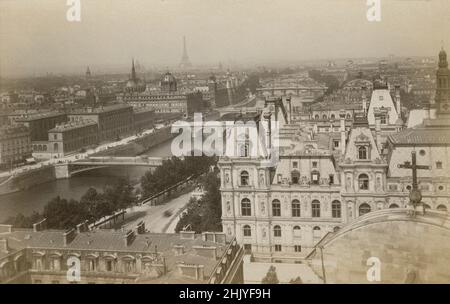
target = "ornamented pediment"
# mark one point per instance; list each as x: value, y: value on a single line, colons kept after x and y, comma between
x: 362, y: 138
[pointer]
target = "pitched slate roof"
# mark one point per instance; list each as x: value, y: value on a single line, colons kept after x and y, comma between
x: 422, y: 136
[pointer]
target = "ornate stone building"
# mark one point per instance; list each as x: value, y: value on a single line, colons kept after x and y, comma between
x: 326, y: 180
x: 41, y: 256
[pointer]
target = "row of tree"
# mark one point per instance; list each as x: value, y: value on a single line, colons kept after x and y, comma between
x: 93, y: 205
x: 172, y: 171
x: 272, y: 278
x: 205, y: 213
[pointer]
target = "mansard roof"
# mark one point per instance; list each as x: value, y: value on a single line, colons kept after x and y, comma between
x: 421, y: 136
x: 361, y: 134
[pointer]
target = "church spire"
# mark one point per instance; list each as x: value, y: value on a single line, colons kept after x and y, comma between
x: 443, y: 58
x: 133, y: 70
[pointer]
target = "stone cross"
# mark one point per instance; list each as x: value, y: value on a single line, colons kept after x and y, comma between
x: 415, y: 196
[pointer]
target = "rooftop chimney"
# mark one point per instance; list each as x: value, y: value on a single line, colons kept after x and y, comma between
x: 5, y: 228
x: 378, y: 131
x: 187, y: 235
x: 140, y: 228
x: 83, y: 227
x: 4, y: 246
x: 397, y: 100
x: 69, y: 236
x: 129, y: 237
x: 39, y: 226
x: 364, y: 102
x: 179, y: 249
x: 343, y: 139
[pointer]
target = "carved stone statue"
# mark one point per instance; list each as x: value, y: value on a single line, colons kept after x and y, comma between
x: 261, y: 179
x: 304, y: 180
x: 348, y: 183
x: 378, y: 184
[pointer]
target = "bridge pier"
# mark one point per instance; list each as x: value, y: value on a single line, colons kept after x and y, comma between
x: 62, y: 171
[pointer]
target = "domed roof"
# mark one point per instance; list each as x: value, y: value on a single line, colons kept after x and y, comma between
x: 131, y: 83
x: 168, y: 78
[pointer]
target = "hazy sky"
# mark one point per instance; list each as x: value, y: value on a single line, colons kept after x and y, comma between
x: 35, y: 36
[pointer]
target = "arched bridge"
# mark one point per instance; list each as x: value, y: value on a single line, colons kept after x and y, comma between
x: 92, y: 163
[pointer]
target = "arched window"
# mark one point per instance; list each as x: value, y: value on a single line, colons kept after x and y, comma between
x: 55, y: 147
x: 324, y: 116
x: 349, y: 116
x: 362, y: 153
x: 277, y: 231
x: 297, y: 232
x: 363, y: 181
x: 392, y: 206
x: 364, y: 208
x: 426, y: 206
x: 247, y: 230
x: 317, y: 117
x: 315, y: 208
x: 336, y: 209
x: 276, y: 208
x: 317, y: 233
x: 333, y: 116
x: 442, y: 208
x: 244, y: 149
x: 244, y: 178
x: 336, y: 229
x: 246, y: 207
x: 296, y: 208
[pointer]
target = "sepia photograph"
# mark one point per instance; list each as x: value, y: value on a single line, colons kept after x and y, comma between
x: 197, y: 142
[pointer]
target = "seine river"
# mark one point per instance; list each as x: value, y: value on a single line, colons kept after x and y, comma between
x: 35, y: 198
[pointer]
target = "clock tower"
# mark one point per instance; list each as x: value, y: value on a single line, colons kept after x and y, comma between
x: 443, y: 85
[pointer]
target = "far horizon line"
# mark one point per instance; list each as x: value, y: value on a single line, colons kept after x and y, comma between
x: 80, y: 70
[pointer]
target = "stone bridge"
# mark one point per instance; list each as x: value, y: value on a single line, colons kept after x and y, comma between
x: 291, y: 90
x: 67, y: 170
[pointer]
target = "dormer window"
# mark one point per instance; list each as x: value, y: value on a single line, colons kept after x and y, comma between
x: 295, y: 177
x: 244, y: 150
x: 362, y: 152
x: 362, y: 144
x: 383, y: 119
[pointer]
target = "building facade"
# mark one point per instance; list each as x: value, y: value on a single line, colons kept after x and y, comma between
x: 71, y: 137
x: 324, y: 181
x: 113, y: 121
x: 41, y: 256
x: 15, y: 145
x: 167, y: 99
x: 40, y: 124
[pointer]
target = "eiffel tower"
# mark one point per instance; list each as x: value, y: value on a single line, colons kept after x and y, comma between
x: 185, y: 62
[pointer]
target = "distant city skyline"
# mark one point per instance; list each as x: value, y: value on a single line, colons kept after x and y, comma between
x: 37, y: 39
